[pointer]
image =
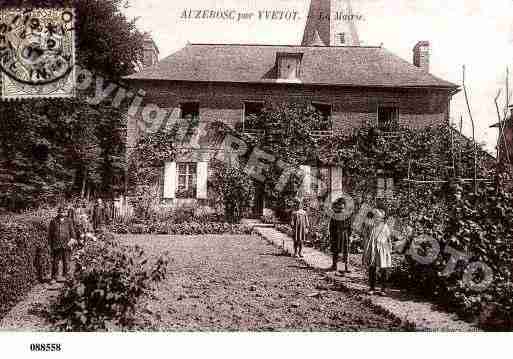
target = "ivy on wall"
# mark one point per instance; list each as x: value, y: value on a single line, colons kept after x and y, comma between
x: 287, y: 132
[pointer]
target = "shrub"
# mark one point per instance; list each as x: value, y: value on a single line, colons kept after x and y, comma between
x: 185, y: 228
x: 233, y: 187
x: 479, y: 225
x: 24, y: 255
x: 105, y: 288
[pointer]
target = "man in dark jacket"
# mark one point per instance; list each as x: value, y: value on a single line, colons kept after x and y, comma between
x: 61, y: 235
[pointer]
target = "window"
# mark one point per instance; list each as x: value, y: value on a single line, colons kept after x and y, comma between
x: 186, y: 180
x: 388, y: 118
x: 341, y: 37
x: 289, y: 66
x: 385, y: 188
x: 189, y: 110
x: 252, y: 110
x: 325, y: 112
x: 320, y: 182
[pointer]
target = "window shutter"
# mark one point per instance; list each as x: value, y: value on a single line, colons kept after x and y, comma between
x: 161, y: 182
x: 307, y: 179
x: 337, y: 174
x: 201, y: 182
x: 169, y: 180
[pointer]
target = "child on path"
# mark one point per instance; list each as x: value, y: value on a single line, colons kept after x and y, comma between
x: 300, y: 227
x: 84, y: 226
x: 340, y: 233
x: 377, y: 252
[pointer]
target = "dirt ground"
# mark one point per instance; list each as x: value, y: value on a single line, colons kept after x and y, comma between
x: 227, y: 283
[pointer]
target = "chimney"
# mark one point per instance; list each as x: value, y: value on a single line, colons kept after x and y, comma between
x: 150, y: 51
x: 421, y: 55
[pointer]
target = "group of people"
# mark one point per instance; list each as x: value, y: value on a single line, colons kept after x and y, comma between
x: 68, y: 230
x: 375, y: 233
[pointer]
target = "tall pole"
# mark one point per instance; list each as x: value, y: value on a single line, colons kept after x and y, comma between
x: 461, y: 148
x: 502, y: 124
x: 507, y: 93
x: 452, y: 148
x: 473, y: 131
x: 499, y: 125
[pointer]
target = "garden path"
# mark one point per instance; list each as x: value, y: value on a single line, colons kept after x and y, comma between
x: 404, y: 306
x: 242, y: 283
x: 29, y: 313
x: 227, y: 282
x: 221, y: 266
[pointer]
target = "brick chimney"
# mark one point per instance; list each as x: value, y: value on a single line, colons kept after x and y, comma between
x: 150, y: 51
x: 421, y: 55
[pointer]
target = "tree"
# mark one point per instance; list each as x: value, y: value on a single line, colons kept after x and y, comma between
x: 83, y: 145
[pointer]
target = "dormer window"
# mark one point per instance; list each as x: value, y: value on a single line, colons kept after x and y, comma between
x: 289, y: 66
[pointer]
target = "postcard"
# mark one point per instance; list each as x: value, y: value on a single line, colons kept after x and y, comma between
x: 234, y: 166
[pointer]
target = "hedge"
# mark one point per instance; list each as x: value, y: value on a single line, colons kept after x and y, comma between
x: 24, y: 256
x: 186, y: 228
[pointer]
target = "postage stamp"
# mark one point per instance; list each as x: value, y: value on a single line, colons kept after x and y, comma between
x: 37, y: 53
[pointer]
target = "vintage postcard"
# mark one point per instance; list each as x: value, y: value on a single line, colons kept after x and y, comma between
x: 242, y: 166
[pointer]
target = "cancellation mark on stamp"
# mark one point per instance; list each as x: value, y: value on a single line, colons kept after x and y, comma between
x: 37, y: 53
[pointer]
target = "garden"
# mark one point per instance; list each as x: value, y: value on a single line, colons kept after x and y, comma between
x: 444, y: 186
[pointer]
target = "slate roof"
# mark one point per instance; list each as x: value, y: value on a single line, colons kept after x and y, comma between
x: 343, y: 66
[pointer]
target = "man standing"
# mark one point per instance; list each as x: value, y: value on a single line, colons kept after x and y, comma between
x: 61, y: 235
x: 99, y: 215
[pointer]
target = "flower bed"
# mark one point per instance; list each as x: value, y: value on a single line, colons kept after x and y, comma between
x: 24, y: 256
x: 185, y: 228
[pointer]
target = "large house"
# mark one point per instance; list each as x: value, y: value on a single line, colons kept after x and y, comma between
x: 354, y: 85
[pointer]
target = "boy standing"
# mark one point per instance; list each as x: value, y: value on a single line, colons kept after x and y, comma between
x: 340, y: 232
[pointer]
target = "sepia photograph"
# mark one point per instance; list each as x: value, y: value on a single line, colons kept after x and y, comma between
x: 241, y: 166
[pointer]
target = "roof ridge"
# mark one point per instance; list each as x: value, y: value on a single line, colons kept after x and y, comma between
x: 284, y: 45
x: 322, y: 65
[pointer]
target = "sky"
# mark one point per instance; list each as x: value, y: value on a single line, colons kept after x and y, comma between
x: 473, y: 33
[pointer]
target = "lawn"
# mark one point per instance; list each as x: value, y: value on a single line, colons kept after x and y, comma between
x: 219, y: 282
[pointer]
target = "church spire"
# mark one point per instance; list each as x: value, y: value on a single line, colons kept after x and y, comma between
x: 330, y: 22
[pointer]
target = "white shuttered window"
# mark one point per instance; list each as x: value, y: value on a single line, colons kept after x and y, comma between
x: 169, y: 180
x: 202, y: 176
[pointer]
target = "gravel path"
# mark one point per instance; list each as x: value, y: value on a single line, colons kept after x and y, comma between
x: 409, y: 308
x: 243, y: 283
